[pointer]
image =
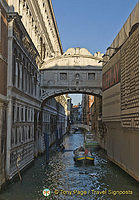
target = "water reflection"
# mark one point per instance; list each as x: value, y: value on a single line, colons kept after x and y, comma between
x: 69, y: 181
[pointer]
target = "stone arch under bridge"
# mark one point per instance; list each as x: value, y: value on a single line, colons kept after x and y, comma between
x: 76, y: 71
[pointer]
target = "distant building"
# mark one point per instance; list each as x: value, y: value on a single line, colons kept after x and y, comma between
x: 96, y: 117
x: 76, y: 114
x: 69, y: 107
x: 54, y: 121
x: 87, y: 101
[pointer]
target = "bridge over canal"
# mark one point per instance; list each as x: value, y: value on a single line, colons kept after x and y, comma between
x: 76, y: 71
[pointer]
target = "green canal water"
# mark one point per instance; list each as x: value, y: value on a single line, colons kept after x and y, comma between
x: 67, y: 181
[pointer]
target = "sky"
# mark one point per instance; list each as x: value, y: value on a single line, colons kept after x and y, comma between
x: 91, y: 24
x: 76, y: 98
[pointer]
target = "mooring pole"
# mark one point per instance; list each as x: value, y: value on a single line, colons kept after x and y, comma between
x: 57, y: 139
x: 17, y: 166
x: 47, y: 147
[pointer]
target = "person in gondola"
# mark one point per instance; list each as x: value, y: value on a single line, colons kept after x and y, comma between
x: 86, y: 152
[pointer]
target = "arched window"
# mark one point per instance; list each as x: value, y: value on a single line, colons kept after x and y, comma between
x: 15, y: 136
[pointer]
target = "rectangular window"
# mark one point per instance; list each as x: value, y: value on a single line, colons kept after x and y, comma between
x: 29, y: 133
x: 14, y: 69
x: 26, y: 114
x: 22, y: 77
x: 22, y: 114
x: 23, y: 134
x: 18, y: 75
x: 12, y: 136
x: 13, y: 113
x: 63, y: 76
x: 19, y: 136
x: 25, y: 80
x: 91, y: 76
x: 18, y: 110
x: 15, y: 135
x: 31, y: 115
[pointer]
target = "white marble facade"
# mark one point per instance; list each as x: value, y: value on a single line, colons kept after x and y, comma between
x: 32, y: 39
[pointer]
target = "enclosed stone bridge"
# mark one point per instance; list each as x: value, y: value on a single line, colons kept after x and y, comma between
x: 76, y: 71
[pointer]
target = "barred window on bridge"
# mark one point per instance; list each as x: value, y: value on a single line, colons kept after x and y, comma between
x: 63, y: 76
x: 91, y: 76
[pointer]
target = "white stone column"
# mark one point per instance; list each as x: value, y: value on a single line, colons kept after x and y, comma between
x: 16, y: 73
x: 10, y: 53
x: 20, y: 66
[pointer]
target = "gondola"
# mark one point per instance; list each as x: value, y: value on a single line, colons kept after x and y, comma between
x: 83, y: 156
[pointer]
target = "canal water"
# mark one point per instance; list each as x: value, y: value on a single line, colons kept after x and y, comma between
x: 67, y: 181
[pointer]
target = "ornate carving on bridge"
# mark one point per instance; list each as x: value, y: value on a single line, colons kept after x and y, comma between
x: 74, y: 57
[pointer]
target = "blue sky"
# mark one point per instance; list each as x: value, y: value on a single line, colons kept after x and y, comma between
x: 92, y: 24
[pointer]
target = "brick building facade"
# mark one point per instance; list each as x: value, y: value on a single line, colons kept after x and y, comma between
x: 121, y: 97
x: 3, y: 86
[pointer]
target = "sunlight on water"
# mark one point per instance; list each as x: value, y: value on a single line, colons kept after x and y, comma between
x: 65, y: 180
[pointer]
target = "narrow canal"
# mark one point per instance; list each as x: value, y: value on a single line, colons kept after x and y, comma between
x: 66, y: 181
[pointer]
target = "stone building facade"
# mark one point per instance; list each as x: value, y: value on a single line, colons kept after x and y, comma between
x: 3, y: 86
x: 28, y: 38
x: 76, y: 114
x: 23, y: 95
x: 87, y: 101
x: 54, y: 119
x: 121, y: 97
x: 39, y: 21
x: 96, y: 118
x: 69, y: 107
